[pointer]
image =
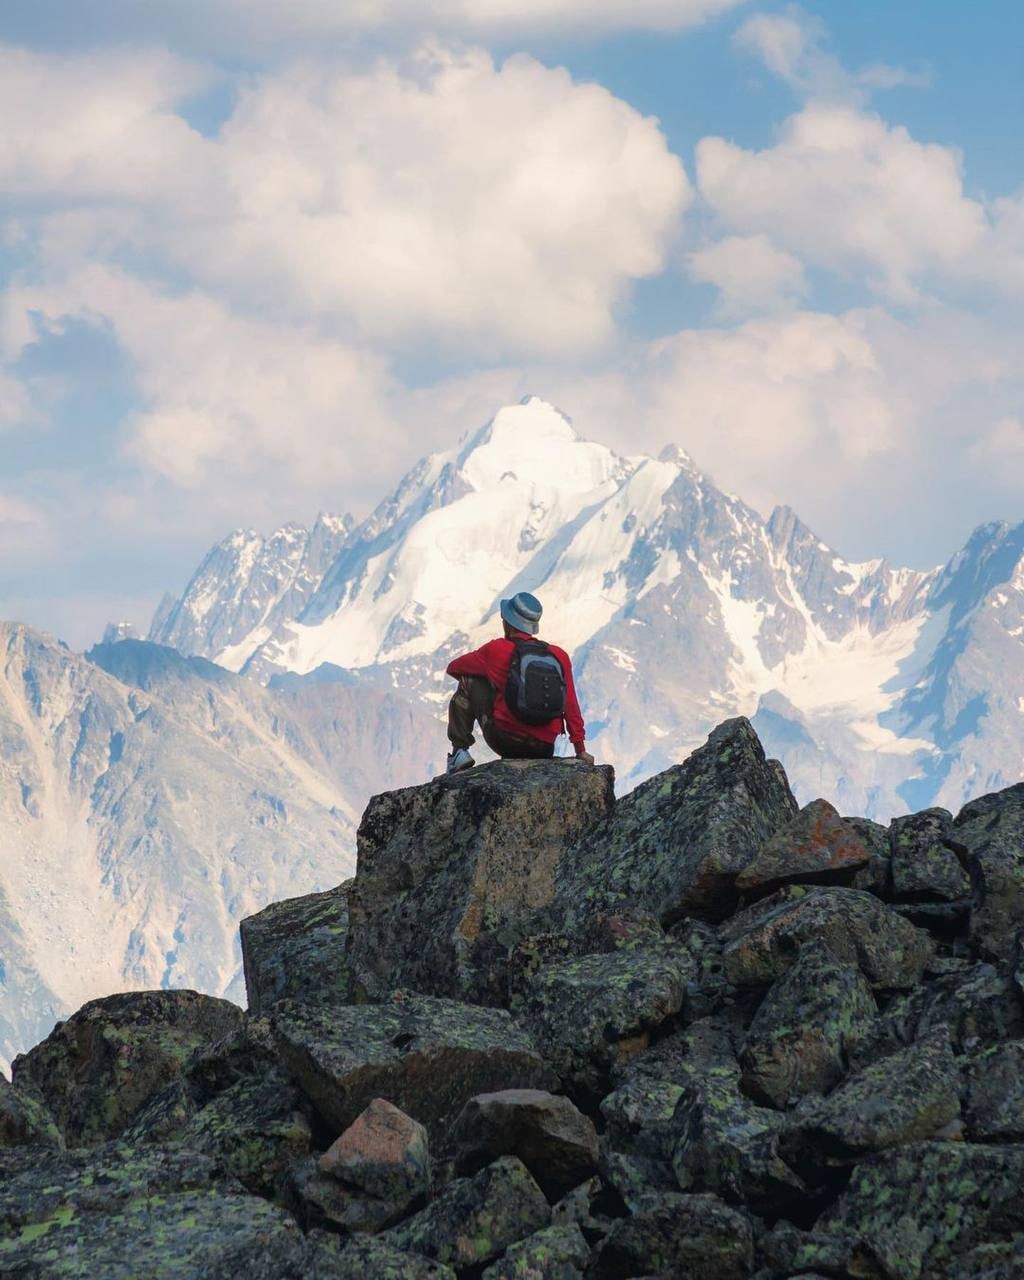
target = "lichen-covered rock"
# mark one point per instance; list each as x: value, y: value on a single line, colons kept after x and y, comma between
x: 762, y: 942
x: 556, y: 1253
x: 257, y: 1127
x: 980, y: 1005
x: 120, y: 1213
x: 911, y: 1095
x: 679, y: 1235
x: 451, y: 874
x: 320, y: 1201
x: 296, y: 949
x: 914, y: 1209
x: 1002, y: 1260
x: 994, y: 1104
x: 727, y: 1144
x: 991, y: 829
x: 428, y: 1056
x: 676, y: 844
x: 24, y: 1120
x: 807, y: 1026
x: 590, y: 1013
x: 98, y: 1069
x: 639, y: 1117
x: 556, y: 1142
x: 816, y: 846
x: 706, y: 1046
x: 383, y: 1153
x: 474, y: 1220
x: 876, y: 876
x: 371, y: 1258
x: 924, y: 864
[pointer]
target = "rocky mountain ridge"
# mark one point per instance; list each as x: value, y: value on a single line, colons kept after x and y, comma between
x: 150, y: 801
x: 886, y: 688
x: 696, y: 1031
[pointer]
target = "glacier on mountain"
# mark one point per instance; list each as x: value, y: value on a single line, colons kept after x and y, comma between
x: 681, y: 604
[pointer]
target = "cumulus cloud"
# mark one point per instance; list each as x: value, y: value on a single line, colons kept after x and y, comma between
x: 500, y: 207
x: 750, y: 273
x: 846, y: 191
x: 229, y: 400
x: 793, y: 47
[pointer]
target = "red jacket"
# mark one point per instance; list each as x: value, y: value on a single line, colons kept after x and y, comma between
x: 493, y: 661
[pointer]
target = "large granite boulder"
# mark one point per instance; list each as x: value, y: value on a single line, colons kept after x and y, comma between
x: 295, y: 948
x: 426, y: 1055
x: 926, y: 864
x: 677, y: 1235
x: 911, y: 1095
x: 676, y: 844
x: 474, y: 1220
x: 913, y: 1210
x: 451, y: 874
x: 98, y: 1069
x: 556, y: 1142
x: 980, y: 1005
x: 727, y: 1144
x: 24, y: 1120
x: 121, y: 1213
x: 763, y: 941
x: 816, y: 846
x: 991, y: 829
x: 814, y: 1017
x: 371, y: 1258
x: 590, y: 1013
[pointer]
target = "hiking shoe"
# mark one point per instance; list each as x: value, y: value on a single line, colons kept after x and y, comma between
x: 458, y: 760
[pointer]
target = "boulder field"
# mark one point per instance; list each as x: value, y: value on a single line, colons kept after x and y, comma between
x: 548, y: 1035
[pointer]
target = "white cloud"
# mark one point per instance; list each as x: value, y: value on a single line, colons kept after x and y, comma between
x: 230, y: 400
x: 97, y: 127
x: 750, y: 273
x: 792, y: 47
x: 502, y: 208
x: 846, y: 191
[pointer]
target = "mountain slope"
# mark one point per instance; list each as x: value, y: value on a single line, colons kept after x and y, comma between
x: 149, y: 805
x: 887, y: 687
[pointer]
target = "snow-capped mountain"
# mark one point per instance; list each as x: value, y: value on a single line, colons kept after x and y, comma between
x: 246, y: 586
x: 150, y: 802
x: 883, y: 686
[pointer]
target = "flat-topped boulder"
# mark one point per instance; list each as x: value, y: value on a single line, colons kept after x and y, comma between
x: 97, y: 1070
x: 426, y: 1055
x: 297, y: 947
x: 451, y: 873
x: 676, y: 844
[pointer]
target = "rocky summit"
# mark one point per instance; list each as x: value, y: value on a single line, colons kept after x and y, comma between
x: 548, y: 1035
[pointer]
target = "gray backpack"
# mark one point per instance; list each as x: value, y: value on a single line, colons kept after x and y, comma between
x: 535, y: 688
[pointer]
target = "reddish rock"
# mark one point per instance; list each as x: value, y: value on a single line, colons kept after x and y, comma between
x: 817, y: 847
x: 382, y: 1153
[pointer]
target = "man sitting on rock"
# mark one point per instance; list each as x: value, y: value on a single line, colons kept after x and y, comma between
x: 518, y: 689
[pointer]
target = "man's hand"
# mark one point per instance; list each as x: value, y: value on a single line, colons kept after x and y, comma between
x: 583, y: 755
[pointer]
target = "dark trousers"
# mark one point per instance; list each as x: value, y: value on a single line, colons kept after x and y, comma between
x: 472, y: 703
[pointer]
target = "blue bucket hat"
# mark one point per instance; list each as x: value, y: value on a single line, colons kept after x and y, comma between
x: 523, y: 612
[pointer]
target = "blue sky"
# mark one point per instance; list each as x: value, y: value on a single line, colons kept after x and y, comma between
x: 256, y: 259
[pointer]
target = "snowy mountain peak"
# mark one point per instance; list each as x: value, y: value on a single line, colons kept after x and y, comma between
x: 533, y: 443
